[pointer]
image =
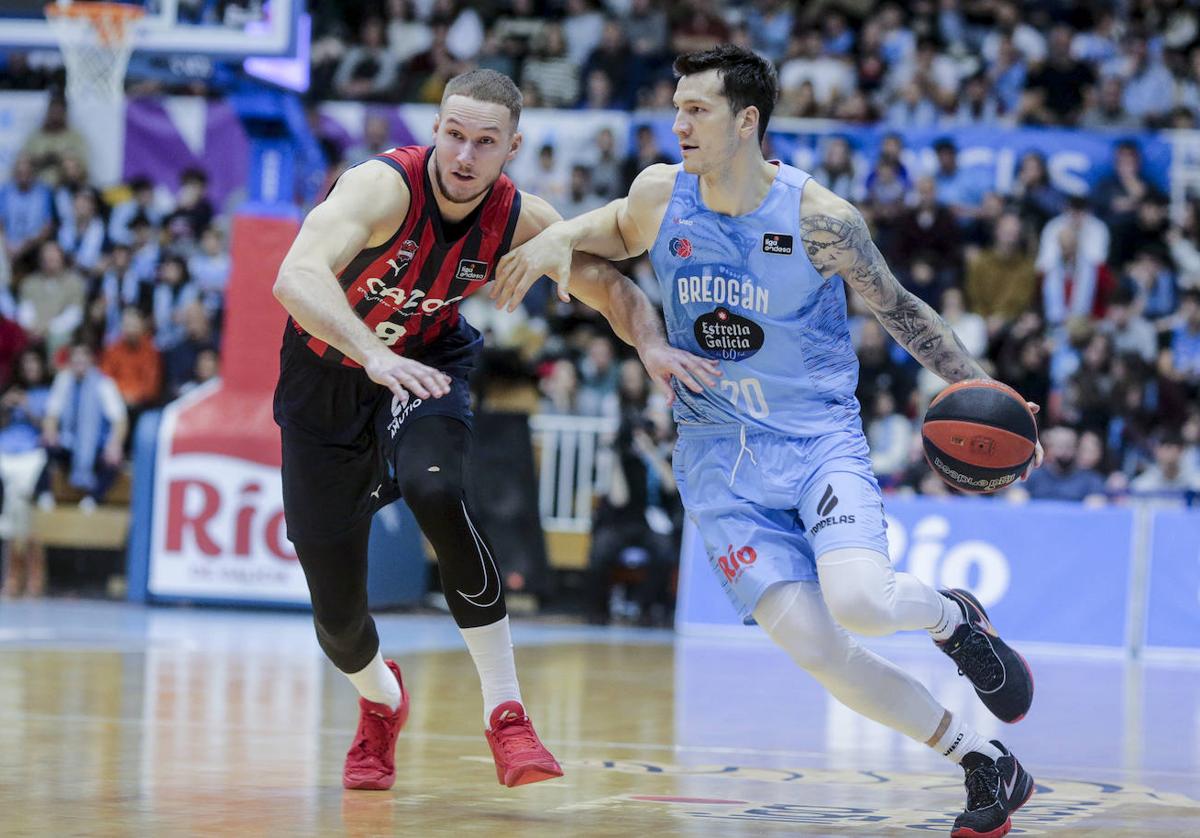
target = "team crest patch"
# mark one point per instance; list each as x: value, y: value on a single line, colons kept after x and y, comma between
x: 681, y: 247
x: 777, y: 243
x: 472, y: 270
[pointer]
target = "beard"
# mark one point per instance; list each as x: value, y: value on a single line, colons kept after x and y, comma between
x: 441, y: 183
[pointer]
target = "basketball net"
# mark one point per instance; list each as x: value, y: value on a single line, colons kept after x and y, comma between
x: 96, y: 40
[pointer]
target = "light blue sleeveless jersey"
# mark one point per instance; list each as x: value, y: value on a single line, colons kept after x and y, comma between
x: 742, y: 290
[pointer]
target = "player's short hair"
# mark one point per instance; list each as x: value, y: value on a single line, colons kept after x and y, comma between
x: 747, y: 78
x: 487, y: 86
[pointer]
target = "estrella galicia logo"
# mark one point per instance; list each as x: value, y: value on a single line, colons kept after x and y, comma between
x: 828, y: 503
x: 472, y: 270
x: 728, y: 336
x: 681, y: 247
x: 777, y: 243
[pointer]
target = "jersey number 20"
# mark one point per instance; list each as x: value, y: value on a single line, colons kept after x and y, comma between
x: 751, y: 392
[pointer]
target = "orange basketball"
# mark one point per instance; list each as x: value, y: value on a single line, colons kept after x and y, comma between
x: 979, y: 435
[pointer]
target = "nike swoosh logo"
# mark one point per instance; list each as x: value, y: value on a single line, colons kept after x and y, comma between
x: 491, y: 574
x: 1011, y: 784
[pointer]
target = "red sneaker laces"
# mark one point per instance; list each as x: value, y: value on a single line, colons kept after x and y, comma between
x: 373, y: 728
x: 515, y: 735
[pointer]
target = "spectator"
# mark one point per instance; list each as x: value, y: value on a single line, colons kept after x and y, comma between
x: 646, y: 31
x: 464, y: 28
x: 598, y: 376
x: 1117, y: 195
x: 698, y: 25
x: 978, y: 104
x: 1151, y: 285
x: 890, y: 435
x: 912, y: 108
x: 961, y: 190
x: 1001, y: 281
x: 1060, y: 478
x: 929, y: 234
x: 1087, y: 398
x: 836, y: 170
x: 1052, y: 91
x: 377, y: 138
x: 193, y: 211
x: 1008, y: 74
x: 1026, y: 40
x: 1091, y: 235
x: 934, y: 73
x: 550, y: 72
x: 1183, y: 240
x: 884, y: 203
x: 83, y: 238
x: 52, y: 298
x: 25, y: 214
x: 1146, y: 230
x: 72, y: 179
x: 85, y: 426
x: 606, y: 165
x: 368, y: 70
x: 145, y: 250
x: 547, y: 179
x: 611, y: 58
x: 581, y: 196
x: 208, y: 367
x: 180, y: 361
x: 173, y: 293
x: 879, y: 370
x: 831, y: 77
x: 118, y: 287
x: 141, y: 204
x: 647, y: 153
x: 560, y: 389
x: 583, y: 28
x: 597, y: 92
x: 209, y: 267
x: 407, y: 35
x: 133, y: 364
x: 1149, y: 87
x: 1167, y: 479
x: 1185, y: 339
x: 1037, y: 199
x: 770, y: 25
x: 1107, y: 109
x: 54, y: 141
x: 1073, y: 285
x: 22, y: 460
x: 1128, y: 330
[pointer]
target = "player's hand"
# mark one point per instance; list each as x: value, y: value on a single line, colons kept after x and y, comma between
x: 546, y: 254
x: 662, y: 361
x: 1038, y: 453
x: 404, y: 375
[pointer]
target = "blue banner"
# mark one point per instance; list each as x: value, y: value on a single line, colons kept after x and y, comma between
x: 1173, y: 608
x: 1076, y: 160
x: 1053, y: 572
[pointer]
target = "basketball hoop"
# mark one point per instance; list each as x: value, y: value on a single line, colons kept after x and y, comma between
x: 96, y: 40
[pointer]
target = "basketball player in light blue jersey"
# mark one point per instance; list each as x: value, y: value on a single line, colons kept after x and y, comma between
x: 753, y: 258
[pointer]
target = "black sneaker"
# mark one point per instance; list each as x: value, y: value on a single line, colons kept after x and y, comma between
x: 995, y: 789
x: 1001, y: 677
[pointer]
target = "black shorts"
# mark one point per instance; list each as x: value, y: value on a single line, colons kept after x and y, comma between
x: 340, y: 431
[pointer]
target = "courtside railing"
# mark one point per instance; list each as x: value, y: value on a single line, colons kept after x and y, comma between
x: 575, y: 463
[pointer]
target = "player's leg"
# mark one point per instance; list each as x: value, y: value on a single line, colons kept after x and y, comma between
x: 842, y: 509
x: 796, y: 617
x: 431, y: 461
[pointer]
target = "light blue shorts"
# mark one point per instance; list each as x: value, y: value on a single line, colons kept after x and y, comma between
x: 767, y: 504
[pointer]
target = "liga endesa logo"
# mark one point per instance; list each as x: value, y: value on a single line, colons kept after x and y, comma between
x: 733, y: 562
x: 681, y: 247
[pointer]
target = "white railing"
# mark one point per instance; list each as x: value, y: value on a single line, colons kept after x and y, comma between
x: 575, y: 463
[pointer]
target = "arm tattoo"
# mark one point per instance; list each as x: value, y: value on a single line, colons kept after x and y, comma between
x: 842, y: 245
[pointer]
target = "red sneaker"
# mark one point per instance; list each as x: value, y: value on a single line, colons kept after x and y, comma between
x: 520, y: 756
x: 371, y: 761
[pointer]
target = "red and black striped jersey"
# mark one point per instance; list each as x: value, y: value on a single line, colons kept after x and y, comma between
x: 407, y: 290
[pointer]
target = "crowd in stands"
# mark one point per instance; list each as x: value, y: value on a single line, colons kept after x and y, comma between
x: 110, y: 303
x: 1088, y: 304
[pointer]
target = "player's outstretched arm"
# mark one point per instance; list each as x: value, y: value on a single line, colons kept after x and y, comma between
x: 838, y: 241
x: 625, y: 306
x: 366, y: 206
x: 621, y: 229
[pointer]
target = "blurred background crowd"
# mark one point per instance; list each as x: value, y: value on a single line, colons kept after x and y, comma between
x: 1089, y: 304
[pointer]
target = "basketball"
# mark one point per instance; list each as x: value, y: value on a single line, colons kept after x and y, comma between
x: 979, y: 436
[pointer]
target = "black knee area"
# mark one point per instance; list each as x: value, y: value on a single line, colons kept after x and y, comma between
x: 336, y: 571
x: 432, y: 469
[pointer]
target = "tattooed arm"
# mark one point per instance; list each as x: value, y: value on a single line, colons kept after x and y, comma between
x: 837, y: 240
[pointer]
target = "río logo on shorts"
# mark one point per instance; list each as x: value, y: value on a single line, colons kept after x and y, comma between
x: 734, y: 562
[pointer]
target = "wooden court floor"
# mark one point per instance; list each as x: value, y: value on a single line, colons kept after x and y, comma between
x: 118, y: 720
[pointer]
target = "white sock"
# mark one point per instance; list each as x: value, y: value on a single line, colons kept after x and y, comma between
x: 375, y: 682
x: 492, y: 650
x: 953, y: 739
x: 952, y: 618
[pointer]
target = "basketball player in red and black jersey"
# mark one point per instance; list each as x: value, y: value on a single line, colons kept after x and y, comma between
x: 372, y: 398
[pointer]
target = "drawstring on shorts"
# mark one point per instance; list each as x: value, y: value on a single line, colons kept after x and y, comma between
x: 745, y: 449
